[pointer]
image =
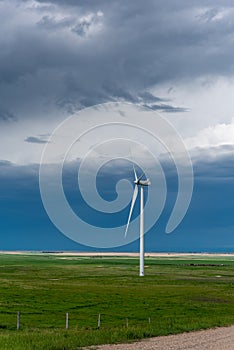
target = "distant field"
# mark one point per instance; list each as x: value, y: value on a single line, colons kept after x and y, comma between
x: 177, y: 294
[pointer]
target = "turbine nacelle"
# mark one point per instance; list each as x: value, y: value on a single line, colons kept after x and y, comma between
x: 142, y: 182
x: 138, y: 182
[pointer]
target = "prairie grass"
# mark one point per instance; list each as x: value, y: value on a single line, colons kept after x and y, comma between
x: 177, y: 294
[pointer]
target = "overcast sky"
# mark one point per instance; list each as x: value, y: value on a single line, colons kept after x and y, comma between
x: 176, y: 57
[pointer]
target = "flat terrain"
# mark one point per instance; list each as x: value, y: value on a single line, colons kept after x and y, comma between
x: 179, y: 293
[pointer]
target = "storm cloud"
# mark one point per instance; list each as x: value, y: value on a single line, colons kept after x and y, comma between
x: 175, y: 57
x: 207, y: 226
x: 72, y: 54
x: 35, y: 139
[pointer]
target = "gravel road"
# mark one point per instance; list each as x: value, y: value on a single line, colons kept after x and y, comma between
x: 211, y: 339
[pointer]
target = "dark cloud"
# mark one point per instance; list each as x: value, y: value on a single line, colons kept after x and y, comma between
x: 72, y: 54
x: 147, y: 97
x: 167, y: 108
x: 5, y: 163
x: 215, y: 162
x: 6, y: 116
x: 33, y: 139
x: 51, y: 23
x: 208, y: 225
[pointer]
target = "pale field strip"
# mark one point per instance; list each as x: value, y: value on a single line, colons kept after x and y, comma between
x: 121, y: 254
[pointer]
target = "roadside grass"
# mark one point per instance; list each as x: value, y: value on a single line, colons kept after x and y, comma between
x: 176, y: 295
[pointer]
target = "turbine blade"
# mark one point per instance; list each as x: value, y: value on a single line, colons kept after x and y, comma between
x: 134, y: 197
x: 135, y: 172
x: 141, y: 176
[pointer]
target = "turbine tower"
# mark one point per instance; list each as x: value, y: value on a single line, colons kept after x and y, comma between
x: 142, y: 184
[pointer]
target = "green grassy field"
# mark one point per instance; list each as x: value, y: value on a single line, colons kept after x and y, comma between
x: 177, y: 294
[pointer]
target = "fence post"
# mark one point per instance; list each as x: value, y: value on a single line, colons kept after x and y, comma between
x: 18, y: 320
x: 67, y: 320
x: 149, y: 320
x: 99, y: 321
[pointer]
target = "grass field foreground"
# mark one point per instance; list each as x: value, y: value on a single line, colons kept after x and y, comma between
x: 176, y: 295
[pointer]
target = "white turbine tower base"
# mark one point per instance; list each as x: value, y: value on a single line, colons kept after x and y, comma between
x: 142, y: 251
x: 142, y: 184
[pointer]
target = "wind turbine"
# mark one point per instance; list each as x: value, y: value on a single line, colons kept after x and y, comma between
x: 142, y: 184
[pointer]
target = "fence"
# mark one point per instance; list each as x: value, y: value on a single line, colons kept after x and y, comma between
x: 19, y: 320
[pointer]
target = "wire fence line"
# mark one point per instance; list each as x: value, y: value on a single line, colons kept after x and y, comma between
x: 21, y: 321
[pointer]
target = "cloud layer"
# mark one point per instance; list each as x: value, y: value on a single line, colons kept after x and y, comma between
x: 70, y: 54
x: 207, y: 226
x: 176, y: 57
